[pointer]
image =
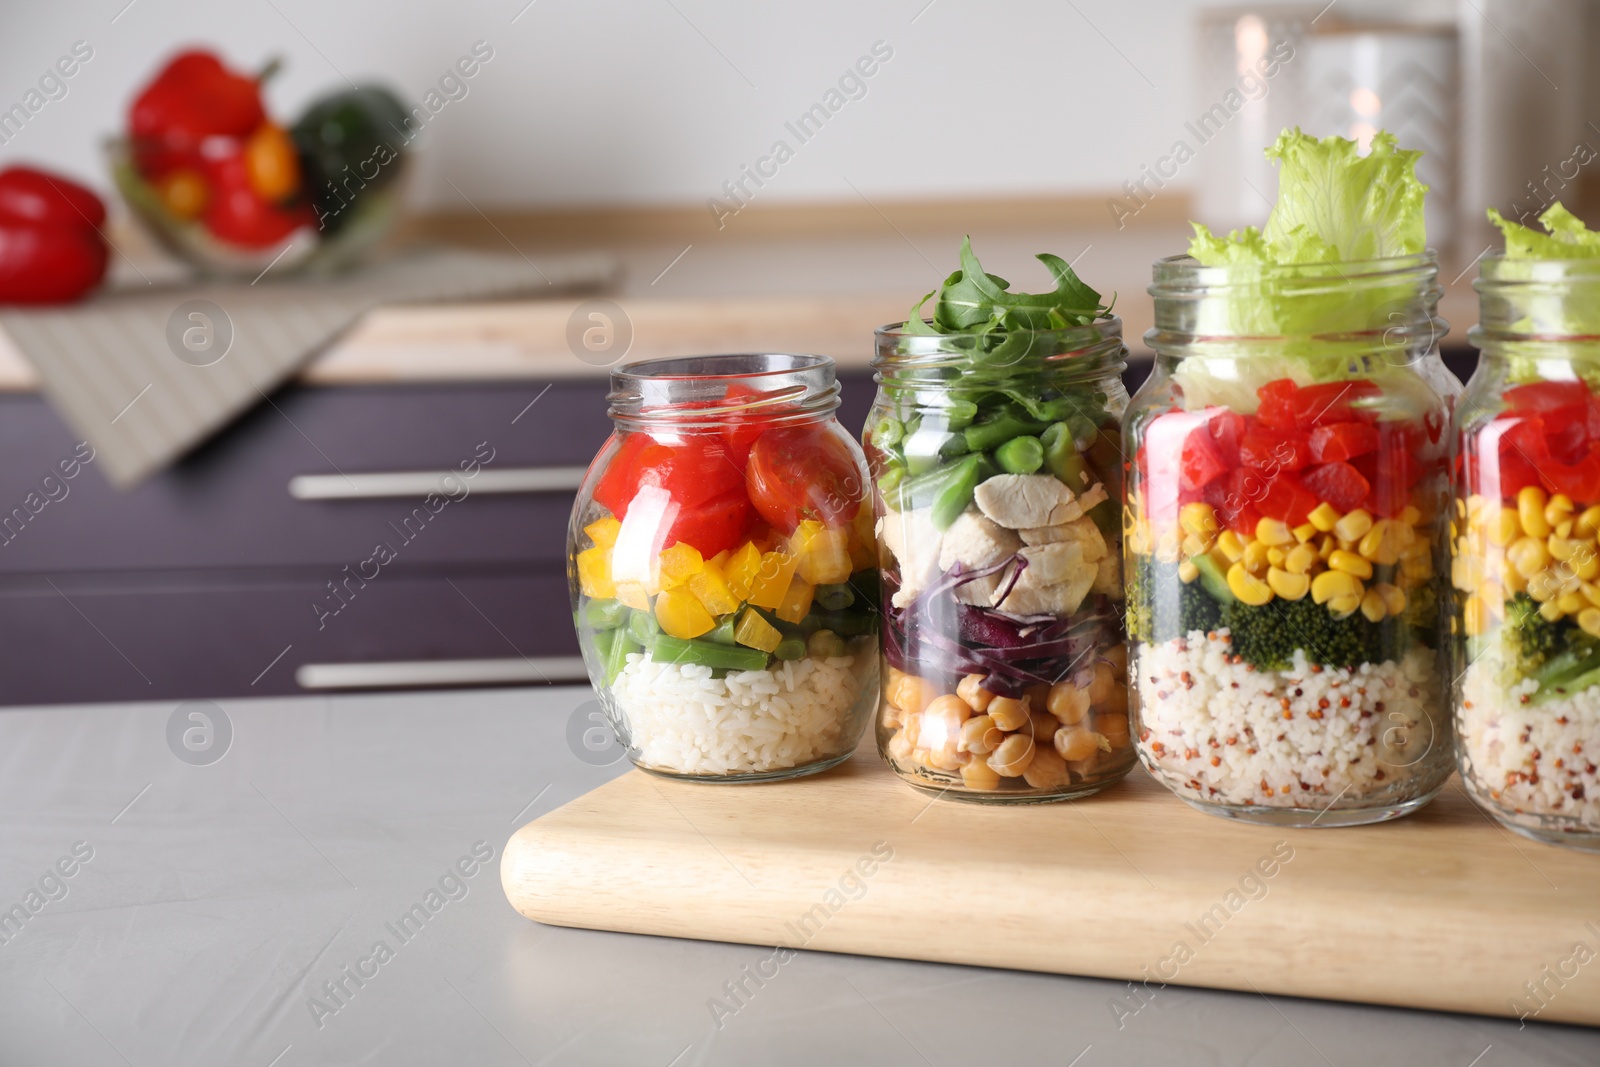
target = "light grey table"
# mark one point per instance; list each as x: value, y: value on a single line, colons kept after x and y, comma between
x: 221, y: 897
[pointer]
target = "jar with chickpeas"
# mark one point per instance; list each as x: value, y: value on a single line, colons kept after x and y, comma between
x: 1525, y: 566
x: 1282, y: 544
x: 997, y: 464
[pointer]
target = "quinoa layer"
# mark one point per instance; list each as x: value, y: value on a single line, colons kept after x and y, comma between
x: 1212, y: 727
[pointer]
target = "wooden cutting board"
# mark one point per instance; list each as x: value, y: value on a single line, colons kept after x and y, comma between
x: 1441, y: 910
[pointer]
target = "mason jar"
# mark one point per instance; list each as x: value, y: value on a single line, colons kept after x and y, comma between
x: 722, y: 569
x: 998, y: 467
x: 1283, y: 554
x: 1525, y: 573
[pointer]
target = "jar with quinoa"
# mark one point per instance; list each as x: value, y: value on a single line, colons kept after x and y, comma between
x: 1525, y: 566
x: 994, y: 447
x: 723, y: 571
x: 1287, y: 477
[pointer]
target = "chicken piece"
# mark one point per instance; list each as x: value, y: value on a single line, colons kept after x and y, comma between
x: 914, y: 541
x: 1044, y: 535
x: 976, y: 542
x: 1108, y: 577
x: 1021, y: 501
x: 1082, y: 532
x: 1031, y: 597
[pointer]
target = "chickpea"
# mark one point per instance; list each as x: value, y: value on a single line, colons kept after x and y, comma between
x: 1117, y: 699
x: 1104, y: 680
x: 1042, y: 728
x: 1012, y: 757
x: 1068, y: 703
x: 899, y: 747
x: 1036, y: 695
x: 1113, y: 728
x: 941, y: 723
x: 891, y: 677
x: 891, y: 714
x: 1008, y: 713
x: 1047, y: 770
x: 972, y: 691
x: 1075, y: 743
x: 946, y: 759
x: 1118, y: 655
x: 979, y: 734
x: 912, y: 694
x: 911, y: 726
x: 979, y: 775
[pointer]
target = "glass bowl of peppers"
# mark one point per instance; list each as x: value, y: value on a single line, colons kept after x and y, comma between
x: 222, y: 186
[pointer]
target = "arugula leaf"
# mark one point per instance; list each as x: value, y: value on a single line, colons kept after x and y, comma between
x: 974, y: 301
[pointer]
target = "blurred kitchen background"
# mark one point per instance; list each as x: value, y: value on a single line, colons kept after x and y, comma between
x: 660, y: 177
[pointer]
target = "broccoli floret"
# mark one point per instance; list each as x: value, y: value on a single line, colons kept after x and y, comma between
x: 1162, y: 606
x: 1196, y: 610
x: 1267, y: 636
x: 1530, y: 637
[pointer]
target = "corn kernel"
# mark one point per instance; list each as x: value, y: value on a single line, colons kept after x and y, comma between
x: 1587, y: 524
x: 1188, y: 571
x: 1275, y: 556
x: 1382, y: 543
x: 1551, y: 611
x: 1323, y: 516
x: 1585, y: 562
x: 1372, y: 606
x: 603, y: 532
x: 1200, y: 519
x: 1354, y: 526
x: 1410, y: 515
x: 1326, y: 548
x: 1530, y: 509
x: 1248, y: 588
x: 1589, y: 621
x: 1476, y: 505
x: 1528, y: 555
x: 1343, y: 606
x: 1560, y: 548
x: 1193, y: 545
x: 1288, y: 586
x: 1350, y: 563
x: 1300, y: 559
x: 1273, y: 532
x: 1231, y: 546
x: 1330, y: 584
x: 1569, y: 603
x: 1558, y: 508
x: 1304, y: 532
x: 1564, y: 529
x: 1394, y: 598
x: 1544, y: 586
x: 1255, y: 557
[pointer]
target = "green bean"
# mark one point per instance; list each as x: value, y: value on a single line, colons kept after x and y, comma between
x: 954, y: 445
x: 791, y: 648
x: 889, y: 432
x: 992, y: 434
x: 960, y: 413
x: 668, y: 649
x: 1062, y: 458
x: 956, y: 494
x: 602, y: 614
x: 835, y: 597
x: 825, y: 644
x: 643, y: 626
x: 622, y: 643
x: 890, y: 479
x: 1020, y: 455
x: 722, y: 632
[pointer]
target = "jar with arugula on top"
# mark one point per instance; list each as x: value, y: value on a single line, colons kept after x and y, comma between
x: 994, y: 446
x: 723, y: 571
x: 1287, y: 481
x: 1525, y: 567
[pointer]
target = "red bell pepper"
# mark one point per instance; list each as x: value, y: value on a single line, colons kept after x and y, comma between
x: 1200, y: 463
x: 1343, y: 486
x: 237, y: 213
x: 1227, y: 430
x: 51, y: 250
x: 193, y: 98
x: 1286, y: 498
x: 1319, y: 405
x: 1338, y: 441
x: 1269, y: 449
x: 1277, y: 407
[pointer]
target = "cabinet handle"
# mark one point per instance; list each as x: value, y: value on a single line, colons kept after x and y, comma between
x: 421, y: 483
x: 441, y: 672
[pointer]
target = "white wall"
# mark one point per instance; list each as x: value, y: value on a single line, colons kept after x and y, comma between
x: 640, y: 102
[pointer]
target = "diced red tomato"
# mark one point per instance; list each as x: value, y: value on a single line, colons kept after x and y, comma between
x: 1341, y: 485
x: 722, y: 522
x: 621, y: 478
x: 1338, y: 441
x: 1287, y: 498
x: 1277, y: 404
x: 1269, y: 449
x: 1543, y: 398
x: 691, y: 467
x: 1227, y: 430
x: 1245, y: 487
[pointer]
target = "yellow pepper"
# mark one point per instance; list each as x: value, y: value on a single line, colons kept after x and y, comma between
x: 796, y: 601
x: 823, y: 552
x: 772, y: 579
x: 741, y: 570
x: 603, y: 532
x: 680, y: 563
x: 711, y: 589
x: 755, y: 632
x: 682, y: 615
x: 594, y: 573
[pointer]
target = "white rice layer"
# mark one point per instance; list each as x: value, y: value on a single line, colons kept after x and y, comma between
x: 1215, y: 728
x: 681, y: 719
x: 1534, y: 759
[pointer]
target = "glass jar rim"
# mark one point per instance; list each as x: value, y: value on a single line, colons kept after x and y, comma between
x: 1176, y: 275
x: 666, y: 390
x: 1055, y: 350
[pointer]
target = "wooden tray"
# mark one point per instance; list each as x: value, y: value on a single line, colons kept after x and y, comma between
x: 1440, y: 910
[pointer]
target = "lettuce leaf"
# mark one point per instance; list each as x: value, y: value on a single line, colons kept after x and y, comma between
x: 1568, y: 238
x: 1560, y: 303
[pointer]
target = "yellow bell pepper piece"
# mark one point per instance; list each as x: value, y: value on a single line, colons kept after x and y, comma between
x: 680, y: 563
x: 772, y: 579
x: 755, y: 632
x: 823, y: 552
x: 741, y: 570
x: 863, y: 541
x: 633, y: 594
x: 594, y: 573
x: 603, y: 532
x: 796, y: 601
x: 711, y: 589
x: 682, y: 615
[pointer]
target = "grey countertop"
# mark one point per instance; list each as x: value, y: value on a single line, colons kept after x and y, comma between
x: 211, y: 901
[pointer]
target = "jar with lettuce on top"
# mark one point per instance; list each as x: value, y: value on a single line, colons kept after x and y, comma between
x: 1525, y: 567
x: 1287, y: 478
x: 994, y: 447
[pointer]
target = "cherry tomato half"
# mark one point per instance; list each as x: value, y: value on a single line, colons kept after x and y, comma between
x: 803, y: 472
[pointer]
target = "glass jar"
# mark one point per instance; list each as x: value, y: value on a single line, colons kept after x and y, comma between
x: 998, y: 466
x: 1281, y: 538
x: 1525, y: 574
x: 722, y: 570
